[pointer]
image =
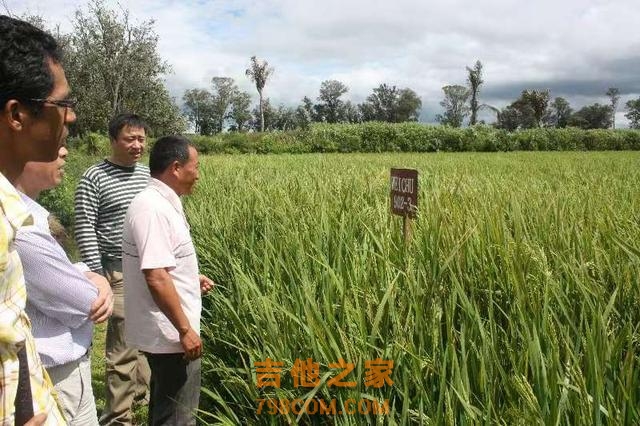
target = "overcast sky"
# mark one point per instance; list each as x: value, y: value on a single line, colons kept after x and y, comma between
x: 575, y: 48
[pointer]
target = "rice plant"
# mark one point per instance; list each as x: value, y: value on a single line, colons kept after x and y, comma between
x: 515, y: 302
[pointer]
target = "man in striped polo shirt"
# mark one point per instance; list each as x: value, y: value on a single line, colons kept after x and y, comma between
x: 101, y: 201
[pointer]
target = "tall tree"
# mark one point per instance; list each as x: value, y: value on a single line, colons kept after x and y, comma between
x: 351, y: 113
x: 305, y: 113
x: 409, y: 105
x: 511, y: 118
x: 381, y: 105
x: 331, y: 107
x: 284, y: 118
x: 614, y: 97
x: 388, y: 103
x: 240, y: 111
x: 633, y: 113
x: 223, y: 93
x: 211, y: 110
x: 114, y: 66
x: 594, y: 116
x: 474, y: 80
x: 198, y: 104
x: 265, y: 116
x: 559, y: 113
x: 259, y: 72
x: 538, y: 101
x: 528, y: 111
x: 455, y: 105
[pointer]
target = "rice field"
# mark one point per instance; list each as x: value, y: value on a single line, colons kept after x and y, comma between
x: 515, y: 302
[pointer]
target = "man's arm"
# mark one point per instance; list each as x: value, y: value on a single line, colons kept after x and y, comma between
x: 54, y: 286
x: 86, y: 218
x: 164, y: 294
x: 102, y: 307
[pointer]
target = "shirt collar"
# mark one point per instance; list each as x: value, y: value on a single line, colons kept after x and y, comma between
x: 14, y: 209
x: 39, y: 213
x: 167, y: 193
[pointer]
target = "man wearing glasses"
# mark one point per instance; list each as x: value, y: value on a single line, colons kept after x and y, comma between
x: 34, y: 114
x: 101, y: 201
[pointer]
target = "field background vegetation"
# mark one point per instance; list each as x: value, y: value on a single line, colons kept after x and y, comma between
x: 398, y: 137
x: 514, y: 303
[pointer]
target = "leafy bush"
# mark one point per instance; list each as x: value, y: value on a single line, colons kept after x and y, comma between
x: 403, y: 137
x: 60, y: 199
x: 91, y: 144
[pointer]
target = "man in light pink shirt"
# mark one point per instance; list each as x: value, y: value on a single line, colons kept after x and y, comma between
x: 163, y: 287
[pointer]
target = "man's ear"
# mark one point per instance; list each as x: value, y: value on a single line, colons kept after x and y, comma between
x: 13, y: 114
x: 175, y: 166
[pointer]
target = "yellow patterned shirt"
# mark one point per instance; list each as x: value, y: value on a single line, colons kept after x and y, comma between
x: 15, y: 327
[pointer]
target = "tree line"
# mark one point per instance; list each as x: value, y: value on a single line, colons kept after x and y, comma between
x: 113, y: 66
x: 533, y: 109
x: 210, y: 110
x: 225, y: 106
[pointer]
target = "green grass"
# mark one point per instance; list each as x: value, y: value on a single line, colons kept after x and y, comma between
x: 98, y: 365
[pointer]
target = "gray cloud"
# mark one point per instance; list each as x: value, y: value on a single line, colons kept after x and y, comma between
x: 575, y: 48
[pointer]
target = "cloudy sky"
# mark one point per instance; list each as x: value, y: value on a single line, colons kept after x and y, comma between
x: 575, y: 48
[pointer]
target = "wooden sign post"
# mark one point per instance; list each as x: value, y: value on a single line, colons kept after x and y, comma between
x: 404, y: 197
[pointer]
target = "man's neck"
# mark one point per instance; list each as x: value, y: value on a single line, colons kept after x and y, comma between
x: 24, y: 188
x: 121, y: 163
x: 169, y: 182
x: 11, y: 165
x: 11, y: 171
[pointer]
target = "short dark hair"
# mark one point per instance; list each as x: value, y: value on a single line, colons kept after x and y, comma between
x: 120, y: 121
x: 166, y: 150
x: 24, y: 69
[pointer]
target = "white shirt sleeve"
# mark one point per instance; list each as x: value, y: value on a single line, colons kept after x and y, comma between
x: 54, y: 286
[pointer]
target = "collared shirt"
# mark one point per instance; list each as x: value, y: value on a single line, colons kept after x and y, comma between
x: 59, y: 297
x: 15, y: 327
x: 156, y: 235
x: 102, y: 196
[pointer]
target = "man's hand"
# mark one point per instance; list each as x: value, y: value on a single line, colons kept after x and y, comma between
x: 206, y: 284
x: 103, y: 306
x: 191, y: 344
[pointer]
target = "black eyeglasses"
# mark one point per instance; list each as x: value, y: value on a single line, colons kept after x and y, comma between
x: 63, y: 103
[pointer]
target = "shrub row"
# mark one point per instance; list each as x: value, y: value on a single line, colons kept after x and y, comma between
x: 415, y: 137
x: 404, y: 137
